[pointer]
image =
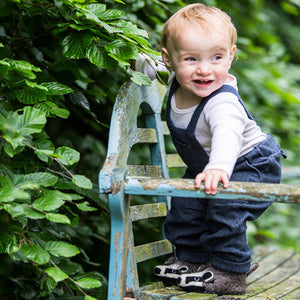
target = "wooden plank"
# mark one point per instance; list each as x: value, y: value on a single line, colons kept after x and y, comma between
x: 270, y: 262
x: 144, y: 171
x: 153, y: 210
x: 151, y: 250
x: 165, y: 128
x: 250, y: 191
x: 281, y: 280
x: 174, y: 161
x: 163, y: 293
x: 146, y: 135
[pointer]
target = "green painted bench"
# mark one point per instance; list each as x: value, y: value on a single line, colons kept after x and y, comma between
x: 136, y: 119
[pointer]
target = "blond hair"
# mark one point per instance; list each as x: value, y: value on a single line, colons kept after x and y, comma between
x: 200, y: 14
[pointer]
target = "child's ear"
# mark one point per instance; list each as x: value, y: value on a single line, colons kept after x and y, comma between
x: 232, y: 52
x: 166, y: 58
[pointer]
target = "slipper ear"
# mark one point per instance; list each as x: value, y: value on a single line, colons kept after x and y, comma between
x: 208, y: 276
x: 252, y: 269
x: 183, y: 269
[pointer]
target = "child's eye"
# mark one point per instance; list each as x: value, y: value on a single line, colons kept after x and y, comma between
x: 216, y: 57
x: 190, y: 59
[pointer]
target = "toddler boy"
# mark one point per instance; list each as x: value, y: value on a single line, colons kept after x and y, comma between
x: 219, y: 141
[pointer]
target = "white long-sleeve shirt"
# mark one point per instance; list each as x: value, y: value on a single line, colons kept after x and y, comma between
x: 223, y: 129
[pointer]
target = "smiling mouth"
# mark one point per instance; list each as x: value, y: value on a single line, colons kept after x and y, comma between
x: 203, y: 82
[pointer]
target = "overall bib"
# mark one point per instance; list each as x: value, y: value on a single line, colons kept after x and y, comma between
x: 214, y: 230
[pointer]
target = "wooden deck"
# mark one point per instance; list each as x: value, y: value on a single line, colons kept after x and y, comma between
x: 278, y: 277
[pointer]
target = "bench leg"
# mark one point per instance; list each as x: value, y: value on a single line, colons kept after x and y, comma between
x: 118, y: 245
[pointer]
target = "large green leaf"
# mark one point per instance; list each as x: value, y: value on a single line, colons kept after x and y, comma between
x: 122, y: 49
x: 53, y: 199
x: 56, y: 274
x: 85, y: 206
x: 49, y: 201
x: 55, y: 88
x: 67, y: 156
x: 51, y: 109
x: 10, y: 193
x: 110, y: 14
x: 76, y: 44
x: 38, y: 178
x: 89, y: 283
x: 32, y: 121
x: 82, y: 181
x: 97, y: 55
x: 16, y: 126
x: 58, y: 218
x: 35, y: 253
x: 33, y: 213
x: 15, y: 209
x: 140, y: 78
x: 23, y: 67
x: 32, y: 93
x: 61, y: 249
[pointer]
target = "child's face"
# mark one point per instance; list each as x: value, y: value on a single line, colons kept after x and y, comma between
x: 200, y: 59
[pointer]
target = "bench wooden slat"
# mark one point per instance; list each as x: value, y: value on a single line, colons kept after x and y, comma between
x: 278, y: 281
x: 146, y: 135
x: 165, y: 128
x: 153, y: 210
x: 152, y: 250
x: 174, y: 161
x: 269, y: 263
x: 144, y: 171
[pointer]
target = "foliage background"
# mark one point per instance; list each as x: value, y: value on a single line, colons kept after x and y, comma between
x: 61, y: 65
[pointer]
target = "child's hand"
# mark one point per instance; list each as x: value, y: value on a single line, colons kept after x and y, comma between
x: 211, y: 179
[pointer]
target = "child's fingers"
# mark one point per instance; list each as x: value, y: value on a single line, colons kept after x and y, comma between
x: 198, y: 179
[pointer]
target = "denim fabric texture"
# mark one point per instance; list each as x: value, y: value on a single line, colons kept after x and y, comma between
x: 214, y: 230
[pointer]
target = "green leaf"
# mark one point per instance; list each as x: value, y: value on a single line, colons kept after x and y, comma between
x: 51, y: 109
x: 23, y: 67
x: 140, y: 78
x: 56, y: 274
x: 38, y: 178
x: 97, y: 55
x: 89, y: 283
x: 82, y: 181
x: 67, y: 156
x: 4, y: 67
x: 87, y: 297
x: 50, y: 200
x: 10, y: 193
x: 33, y: 213
x: 75, y: 44
x: 110, y: 14
x: 54, y: 88
x: 58, y: 218
x: 15, y: 209
x: 84, y: 206
x: 48, y: 284
x: 122, y: 49
x: 61, y: 249
x: 8, y: 244
x: 32, y: 93
x: 16, y: 126
x: 32, y: 121
x: 35, y: 253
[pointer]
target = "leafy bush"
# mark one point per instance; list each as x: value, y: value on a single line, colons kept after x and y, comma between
x: 53, y: 56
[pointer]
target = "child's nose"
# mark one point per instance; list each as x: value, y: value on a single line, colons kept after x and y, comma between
x: 203, y: 68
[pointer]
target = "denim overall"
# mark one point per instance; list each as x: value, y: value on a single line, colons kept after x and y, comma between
x: 214, y: 230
